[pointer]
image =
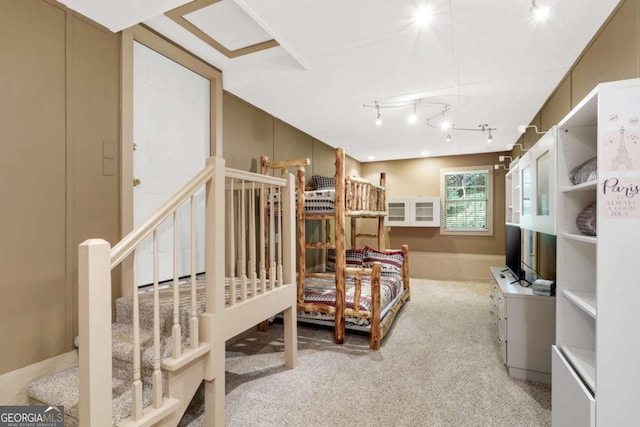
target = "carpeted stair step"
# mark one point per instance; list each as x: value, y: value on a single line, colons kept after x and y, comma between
x: 124, y: 307
x: 63, y: 388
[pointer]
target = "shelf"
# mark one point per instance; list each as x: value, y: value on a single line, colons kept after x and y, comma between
x: 585, y: 186
x: 580, y: 238
x: 584, y: 362
x: 586, y: 301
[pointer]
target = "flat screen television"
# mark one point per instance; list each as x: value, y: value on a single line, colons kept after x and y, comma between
x: 512, y: 249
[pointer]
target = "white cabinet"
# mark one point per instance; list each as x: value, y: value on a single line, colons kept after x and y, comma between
x: 512, y: 193
x: 598, y: 344
x: 414, y: 212
x: 538, y: 183
x: 525, y: 327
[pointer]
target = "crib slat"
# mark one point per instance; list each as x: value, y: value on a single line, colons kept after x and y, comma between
x: 243, y: 244
x: 279, y: 280
x: 156, y: 397
x: 232, y: 248
x: 252, y: 239
x: 272, y: 240
x: 176, y: 332
x: 263, y: 227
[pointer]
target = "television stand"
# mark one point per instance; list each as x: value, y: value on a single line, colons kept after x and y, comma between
x: 531, y: 329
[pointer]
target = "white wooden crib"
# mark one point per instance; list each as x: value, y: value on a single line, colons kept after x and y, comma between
x: 250, y: 276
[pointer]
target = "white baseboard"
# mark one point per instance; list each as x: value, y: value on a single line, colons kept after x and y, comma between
x: 13, y: 385
x: 450, y: 266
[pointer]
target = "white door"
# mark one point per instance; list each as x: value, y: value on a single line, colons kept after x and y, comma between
x: 171, y: 137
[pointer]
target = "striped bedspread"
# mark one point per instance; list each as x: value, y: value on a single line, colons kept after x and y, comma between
x: 321, y: 290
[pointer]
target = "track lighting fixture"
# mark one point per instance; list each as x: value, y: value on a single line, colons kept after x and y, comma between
x: 523, y: 128
x: 437, y: 120
x: 503, y: 158
x: 496, y: 167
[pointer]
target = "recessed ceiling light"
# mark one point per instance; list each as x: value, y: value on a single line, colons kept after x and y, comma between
x: 412, y: 118
x: 423, y: 15
x: 540, y: 13
x: 371, y: 158
x: 425, y: 153
x: 445, y: 125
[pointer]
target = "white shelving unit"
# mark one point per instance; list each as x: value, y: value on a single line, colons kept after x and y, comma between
x: 414, y: 212
x: 595, y: 376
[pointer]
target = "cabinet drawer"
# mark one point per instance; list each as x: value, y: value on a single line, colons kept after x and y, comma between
x: 572, y: 402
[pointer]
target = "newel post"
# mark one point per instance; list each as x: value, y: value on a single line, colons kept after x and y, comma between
x: 94, y: 316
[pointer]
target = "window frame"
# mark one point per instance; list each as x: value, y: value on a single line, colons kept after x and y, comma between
x: 490, y: 200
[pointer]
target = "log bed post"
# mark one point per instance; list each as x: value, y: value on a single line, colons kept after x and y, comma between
x: 405, y: 272
x: 381, y: 207
x: 375, y: 335
x: 300, y: 231
x: 339, y: 326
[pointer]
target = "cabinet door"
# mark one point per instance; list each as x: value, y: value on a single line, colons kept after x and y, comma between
x: 399, y: 212
x: 572, y: 403
x: 426, y: 212
x: 526, y: 195
x: 543, y: 163
x: 538, y: 185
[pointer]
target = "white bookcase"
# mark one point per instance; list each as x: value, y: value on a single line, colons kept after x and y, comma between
x: 512, y: 193
x: 594, y: 363
x: 414, y: 212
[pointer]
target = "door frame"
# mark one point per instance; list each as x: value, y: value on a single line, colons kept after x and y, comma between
x: 153, y: 41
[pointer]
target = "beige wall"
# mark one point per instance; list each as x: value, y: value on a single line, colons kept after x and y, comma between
x: 421, y: 178
x: 59, y: 82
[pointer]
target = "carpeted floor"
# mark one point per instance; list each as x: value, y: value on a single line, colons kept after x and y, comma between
x: 438, y: 366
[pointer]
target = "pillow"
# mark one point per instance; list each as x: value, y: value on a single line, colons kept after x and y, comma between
x: 586, y: 220
x: 584, y: 172
x: 391, y: 261
x: 354, y: 258
x: 323, y: 182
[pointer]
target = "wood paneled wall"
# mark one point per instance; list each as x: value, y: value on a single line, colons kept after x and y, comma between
x: 59, y: 85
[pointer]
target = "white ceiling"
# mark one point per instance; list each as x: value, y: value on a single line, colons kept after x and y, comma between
x: 488, y: 59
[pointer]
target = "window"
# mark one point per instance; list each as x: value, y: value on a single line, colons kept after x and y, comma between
x: 467, y: 201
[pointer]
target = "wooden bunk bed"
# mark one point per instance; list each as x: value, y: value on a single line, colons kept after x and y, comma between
x: 377, y: 279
